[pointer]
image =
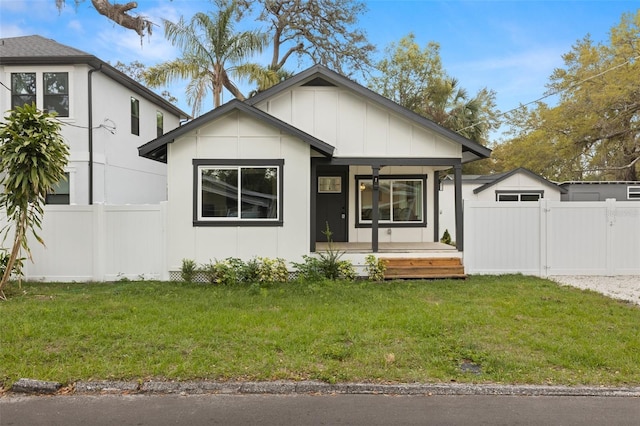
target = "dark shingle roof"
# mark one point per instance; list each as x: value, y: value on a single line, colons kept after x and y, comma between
x: 37, y: 46
x: 37, y: 50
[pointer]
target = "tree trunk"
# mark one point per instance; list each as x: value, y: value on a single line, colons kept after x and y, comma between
x: 118, y: 13
x: 17, y: 241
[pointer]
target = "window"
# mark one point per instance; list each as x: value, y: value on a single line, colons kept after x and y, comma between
x: 159, y: 124
x: 23, y: 89
x: 135, y: 116
x: 56, y: 93
x: 402, y: 200
x: 329, y: 184
x: 238, y: 192
x: 633, y: 193
x: 60, y: 193
x: 519, y: 196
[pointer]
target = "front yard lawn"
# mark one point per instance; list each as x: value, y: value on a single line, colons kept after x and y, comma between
x: 486, y: 329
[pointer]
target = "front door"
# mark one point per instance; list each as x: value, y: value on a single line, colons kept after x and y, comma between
x: 331, y: 203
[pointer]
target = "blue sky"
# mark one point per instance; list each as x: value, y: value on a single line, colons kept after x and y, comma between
x: 511, y: 47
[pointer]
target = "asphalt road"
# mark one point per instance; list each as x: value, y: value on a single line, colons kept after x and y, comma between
x: 265, y: 410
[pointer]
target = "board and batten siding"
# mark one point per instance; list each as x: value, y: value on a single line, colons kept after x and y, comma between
x: 238, y: 136
x: 355, y: 126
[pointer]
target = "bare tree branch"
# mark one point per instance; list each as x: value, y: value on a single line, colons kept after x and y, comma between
x: 119, y: 13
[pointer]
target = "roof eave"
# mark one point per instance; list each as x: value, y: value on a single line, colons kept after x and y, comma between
x: 107, y: 69
x: 154, y: 149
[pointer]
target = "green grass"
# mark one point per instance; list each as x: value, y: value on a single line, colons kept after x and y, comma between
x: 517, y: 329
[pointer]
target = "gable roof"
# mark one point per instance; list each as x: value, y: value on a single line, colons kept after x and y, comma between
x: 157, y: 148
x: 37, y: 50
x: 503, y: 176
x: 320, y: 73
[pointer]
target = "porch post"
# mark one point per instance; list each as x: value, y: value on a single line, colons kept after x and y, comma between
x: 436, y: 206
x: 458, y: 202
x: 313, y: 211
x: 374, y: 207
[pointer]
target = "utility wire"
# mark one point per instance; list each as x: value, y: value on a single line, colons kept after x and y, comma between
x: 555, y: 92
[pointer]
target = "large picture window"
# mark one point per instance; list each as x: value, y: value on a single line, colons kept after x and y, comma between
x: 238, y: 192
x: 401, y: 200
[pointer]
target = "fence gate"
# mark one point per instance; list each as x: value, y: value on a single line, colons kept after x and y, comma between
x: 552, y: 238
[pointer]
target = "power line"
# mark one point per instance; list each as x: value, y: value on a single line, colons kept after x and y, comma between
x: 628, y: 61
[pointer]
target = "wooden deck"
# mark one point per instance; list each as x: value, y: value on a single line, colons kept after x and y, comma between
x: 406, y: 260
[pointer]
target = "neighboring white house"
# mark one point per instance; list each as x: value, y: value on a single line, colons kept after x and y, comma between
x: 264, y: 177
x: 518, y: 185
x: 107, y: 115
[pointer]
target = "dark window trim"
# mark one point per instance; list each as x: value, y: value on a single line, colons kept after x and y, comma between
x: 159, y: 123
x: 633, y: 192
x: 135, y: 119
x: 15, y: 96
x: 384, y: 224
x: 279, y: 163
x: 520, y: 193
x: 46, y: 95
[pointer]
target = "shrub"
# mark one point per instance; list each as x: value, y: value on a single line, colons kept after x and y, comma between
x: 375, y: 268
x: 221, y: 272
x: 446, y: 237
x: 188, y: 270
x: 4, y: 260
x: 272, y: 270
x: 309, y: 269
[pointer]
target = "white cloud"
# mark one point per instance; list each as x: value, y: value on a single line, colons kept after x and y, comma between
x: 76, y: 27
x: 7, y: 31
x: 14, y: 5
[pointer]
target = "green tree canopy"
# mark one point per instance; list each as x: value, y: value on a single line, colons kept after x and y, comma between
x: 414, y: 78
x: 593, y: 132
x: 33, y: 156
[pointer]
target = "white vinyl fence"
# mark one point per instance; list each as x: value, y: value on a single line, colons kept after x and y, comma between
x: 552, y: 238
x: 99, y: 243
x: 106, y: 243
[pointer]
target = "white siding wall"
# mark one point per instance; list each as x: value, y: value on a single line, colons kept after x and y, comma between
x: 355, y: 126
x: 552, y: 238
x: 120, y: 175
x: 237, y: 136
x: 123, y: 177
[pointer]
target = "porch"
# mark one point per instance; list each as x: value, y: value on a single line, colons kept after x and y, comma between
x: 434, y: 249
x: 429, y: 260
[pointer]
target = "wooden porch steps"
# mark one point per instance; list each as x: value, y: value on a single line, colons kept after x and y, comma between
x: 423, y: 268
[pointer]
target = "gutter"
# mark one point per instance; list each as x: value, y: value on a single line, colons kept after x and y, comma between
x: 90, y: 126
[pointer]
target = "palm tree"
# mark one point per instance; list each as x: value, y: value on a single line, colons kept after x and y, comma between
x: 449, y: 105
x: 210, y: 52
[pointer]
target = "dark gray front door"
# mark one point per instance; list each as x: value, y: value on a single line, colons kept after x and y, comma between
x: 331, y: 203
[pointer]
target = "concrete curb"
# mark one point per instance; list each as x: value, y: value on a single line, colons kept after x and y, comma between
x: 311, y: 387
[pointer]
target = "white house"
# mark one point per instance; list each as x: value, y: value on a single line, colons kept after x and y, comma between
x: 266, y: 176
x: 106, y: 116
x: 518, y: 185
